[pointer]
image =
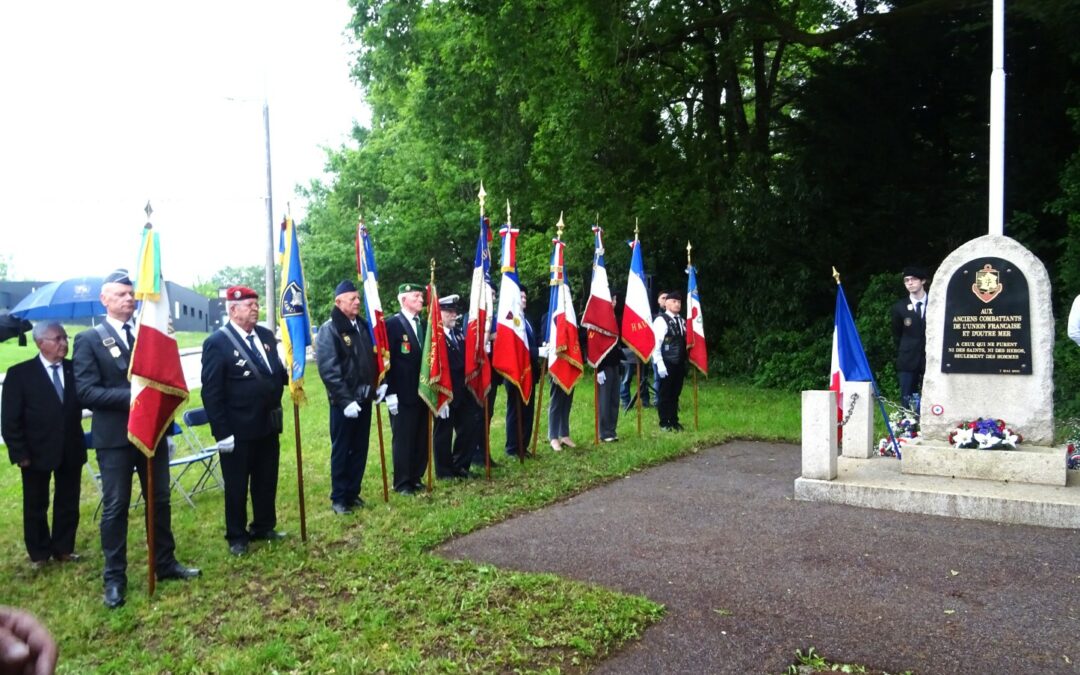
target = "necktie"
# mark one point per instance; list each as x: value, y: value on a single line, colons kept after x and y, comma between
x: 129, y: 336
x: 416, y: 326
x: 918, y: 309
x: 56, y: 381
x: 255, y: 351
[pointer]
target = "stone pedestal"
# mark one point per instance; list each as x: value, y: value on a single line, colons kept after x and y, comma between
x: 1039, y: 465
x: 819, y: 434
x: 858, y: 440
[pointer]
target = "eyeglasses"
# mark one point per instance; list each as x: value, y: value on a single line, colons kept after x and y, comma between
x: 60, y: 338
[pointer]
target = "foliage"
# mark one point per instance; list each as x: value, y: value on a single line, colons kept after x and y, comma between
x: 252, y: 276
x: 365, y: 593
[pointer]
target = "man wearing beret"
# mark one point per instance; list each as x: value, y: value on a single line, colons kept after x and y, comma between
x: 347, y: 368
x: 669, y: 358
x: 908, y: 319
x: 456, y: 435
x: 408, y: 412
x: 100, y: 365
x: 242, y: 382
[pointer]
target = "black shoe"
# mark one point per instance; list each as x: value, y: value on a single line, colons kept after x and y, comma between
x: 114, y: 596
x: 358, y: 503
x: 269, y: 535
x: 239, y: 548
x: 340, y: 509
x: 68, y: 557
x: 178, y: 571
x: 679, y: 427
x: 407, y: 492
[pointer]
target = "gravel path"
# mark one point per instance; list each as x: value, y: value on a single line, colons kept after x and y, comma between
x: 748, y: 575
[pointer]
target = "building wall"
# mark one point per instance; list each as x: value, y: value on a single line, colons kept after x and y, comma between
x: 11, y: 292
x: 190, y: 310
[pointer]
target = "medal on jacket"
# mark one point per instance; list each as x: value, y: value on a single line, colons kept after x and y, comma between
x: 406, y: 348
x: 347, y: 338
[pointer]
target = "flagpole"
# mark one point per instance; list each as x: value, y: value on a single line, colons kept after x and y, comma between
x: 690, y: 327
x: 539, y: 405
x: 639, y: 390
x: 382, y: 454
x: 430, y: 414
x: 596, y: 408
x: 520, y: 441
x: 299, y: 471
x: 482, y: 344
x: 487, y: 439
x: 151, y: 575
x: 430, y: 452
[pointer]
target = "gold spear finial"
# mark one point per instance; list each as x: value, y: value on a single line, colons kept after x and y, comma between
x: 688, y: 247
x: 482, y: 196
x: 433, y: 271
x: 635, y: 228
x: 507, y: 211
x: 836, y: 275
x: 559, y: 226
x: 148, y: 211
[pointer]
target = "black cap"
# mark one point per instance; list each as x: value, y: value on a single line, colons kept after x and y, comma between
x: 346, y: 286
x: 118, y: 276
x: 915, y: 271
x: 674, y: 295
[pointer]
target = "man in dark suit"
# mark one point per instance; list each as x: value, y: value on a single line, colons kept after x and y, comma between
x: 242, y: 382
x: 347, y: 368
x: 456, y: 435
x: 513, y: 396
x: 408, y: 413
x: 908, y: 319
x: 100, y: 365
x: 42, y: 427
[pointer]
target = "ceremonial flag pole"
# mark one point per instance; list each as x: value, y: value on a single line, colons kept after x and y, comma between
x: 695, y: 330
x: 849, y: 363
x: 599, y: 320
x: 436, y: 389
x: 636, y: 327
x: 477, y: 332
x: 295, y: 324
x: 368, y: 274
x: 158, y: 388
x: 510, y: 353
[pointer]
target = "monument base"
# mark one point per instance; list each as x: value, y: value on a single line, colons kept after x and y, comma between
x: 878, y: 483
x: 1039, y: 465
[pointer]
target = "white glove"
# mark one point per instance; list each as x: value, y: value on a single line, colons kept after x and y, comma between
x: 543, y: 350
x: 661, y: 370
x: 352, y: 411
x: 226, y: 445
x: 380, y: 394
x: 444, y: 412
x: 601, y: 377
x: 391, y: 403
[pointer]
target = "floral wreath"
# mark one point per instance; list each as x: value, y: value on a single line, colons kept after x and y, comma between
x: 905, y: 428
x: 984, y: 433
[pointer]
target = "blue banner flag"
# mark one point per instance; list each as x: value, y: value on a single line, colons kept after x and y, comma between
x: 294, y: 319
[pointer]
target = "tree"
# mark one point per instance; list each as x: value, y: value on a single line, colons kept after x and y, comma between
x: 252, y: 276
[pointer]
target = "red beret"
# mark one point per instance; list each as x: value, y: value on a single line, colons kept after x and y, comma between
x: 240, y: 293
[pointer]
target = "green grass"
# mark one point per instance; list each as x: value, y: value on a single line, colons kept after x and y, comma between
x: 365, y: 594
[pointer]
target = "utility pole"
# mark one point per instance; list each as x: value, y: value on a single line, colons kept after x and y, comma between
x: 271, y: 299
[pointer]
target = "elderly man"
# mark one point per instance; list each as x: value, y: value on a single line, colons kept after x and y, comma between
x: 347, y: 368
x: 101, y: 362
x: 242, y: 382
x: 42, y: 427
x: 408, y: 413
x: 669, y: 357
x: 457, y: 435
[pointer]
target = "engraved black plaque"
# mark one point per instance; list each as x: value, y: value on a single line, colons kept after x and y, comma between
x: 987, y: 320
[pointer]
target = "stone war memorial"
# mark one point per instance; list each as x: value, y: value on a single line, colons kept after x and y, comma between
x: 989, y: 354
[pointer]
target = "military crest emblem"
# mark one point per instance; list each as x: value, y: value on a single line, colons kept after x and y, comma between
x: 292, y: 300
x: 987, y: 284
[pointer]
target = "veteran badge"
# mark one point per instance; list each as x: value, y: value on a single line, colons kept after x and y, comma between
x: 114, y: 351
x: 348, y: 340
x: 907, y: 321
x: 987, y: 284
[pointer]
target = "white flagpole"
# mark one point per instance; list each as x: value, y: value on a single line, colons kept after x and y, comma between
x: 997, y: 124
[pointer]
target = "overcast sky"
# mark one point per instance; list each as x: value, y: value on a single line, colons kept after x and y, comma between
x: 108, y: 104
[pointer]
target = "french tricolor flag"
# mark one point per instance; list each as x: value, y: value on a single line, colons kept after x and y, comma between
x: 636, y: 325
x: 599, y: 315
x: 695, y: 325
x: 561, y: 333
x: 849, y: 362
x: 510, y: 353
x: 369, y: 277
x: 477, y: 364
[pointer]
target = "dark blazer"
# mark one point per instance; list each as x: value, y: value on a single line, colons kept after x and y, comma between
x: 909, y: 332
x: 346, y: 360
x: 35, y: 424
x: 455, y: 352
x: 406, y: 357
x: 238, y: 402
x: 102, y: 384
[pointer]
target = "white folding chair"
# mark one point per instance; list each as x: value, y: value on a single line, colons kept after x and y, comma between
x: 202, y: 458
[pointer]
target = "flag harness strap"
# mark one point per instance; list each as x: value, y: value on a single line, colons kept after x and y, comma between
x: 111, y: 345
x: 255, y: 370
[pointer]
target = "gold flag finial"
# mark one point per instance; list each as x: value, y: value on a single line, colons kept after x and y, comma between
x: 836, y: 275
x: 507, y: 211
x: 559, y: 226
x: 433, y: 270
x: 481, y: 196
x: 635, y: 228
x: 688, y: 247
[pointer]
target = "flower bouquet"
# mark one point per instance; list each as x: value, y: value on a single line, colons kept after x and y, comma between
x: 905, y: 428
x: 984, y: 434
x: 1072, y: 454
